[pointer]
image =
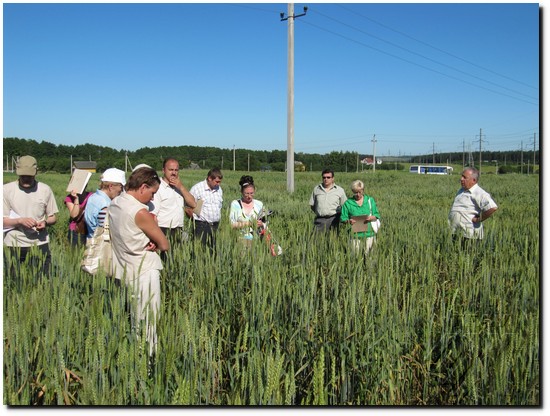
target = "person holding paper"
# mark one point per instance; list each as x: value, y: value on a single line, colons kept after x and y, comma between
x: 76, y: 203
x: 208, y: 195
x: 29, y: 207
x: 361, y: 212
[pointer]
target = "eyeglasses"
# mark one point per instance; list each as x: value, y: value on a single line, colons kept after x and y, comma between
x: 327, y: 177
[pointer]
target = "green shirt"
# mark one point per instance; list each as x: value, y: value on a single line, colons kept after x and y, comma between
x: 352, y: 209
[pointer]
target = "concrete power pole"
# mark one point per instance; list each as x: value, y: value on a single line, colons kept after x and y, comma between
x: 290, y: 97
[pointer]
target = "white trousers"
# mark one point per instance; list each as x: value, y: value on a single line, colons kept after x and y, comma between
x: 146, y: 291
x: 364, y: 244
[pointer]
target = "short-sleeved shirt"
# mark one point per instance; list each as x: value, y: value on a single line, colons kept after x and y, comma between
x: 96, y: 203
x: 211, y: 209
x: 466, y: 205
x: 83, y: 200
x: 37, y: 202
x: 325, y: 202
x: 168, y: 206
x: 352, y: 209
x: 237, y: 214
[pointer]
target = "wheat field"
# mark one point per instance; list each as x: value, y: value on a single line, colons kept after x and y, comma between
x: 420, y: 321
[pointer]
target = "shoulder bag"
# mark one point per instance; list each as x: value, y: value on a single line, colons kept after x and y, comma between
x: 374, y: 224
x: 98, y: 254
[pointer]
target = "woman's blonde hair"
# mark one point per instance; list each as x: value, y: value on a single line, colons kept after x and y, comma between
x: 357, y: 186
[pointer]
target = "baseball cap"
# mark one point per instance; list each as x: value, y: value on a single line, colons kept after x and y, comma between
x: 26, y: 166
x: 114, y: 175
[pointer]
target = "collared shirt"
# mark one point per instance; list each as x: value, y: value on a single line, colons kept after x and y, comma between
x: 211, y: 209
x: 38, y: 203
x: 168, y: 206
x: 466, y: 205
x: 351, y: 209
x: 95, y: 205
x: 327, y: 202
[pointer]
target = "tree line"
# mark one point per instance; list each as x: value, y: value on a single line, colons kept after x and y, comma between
x: 57, y: 158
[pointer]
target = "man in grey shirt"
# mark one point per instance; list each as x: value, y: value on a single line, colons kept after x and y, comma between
x: 326, y: 202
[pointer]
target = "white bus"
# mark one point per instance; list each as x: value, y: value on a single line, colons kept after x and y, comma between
x: 431, y: 169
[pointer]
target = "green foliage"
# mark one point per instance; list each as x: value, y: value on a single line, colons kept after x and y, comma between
x: 420, y: 321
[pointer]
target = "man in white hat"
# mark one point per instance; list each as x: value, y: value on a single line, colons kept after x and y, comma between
x: 111, y: 185
x: 29, y: 207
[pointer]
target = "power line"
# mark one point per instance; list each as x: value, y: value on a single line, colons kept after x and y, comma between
x: 438, y: 49
x: 419, y: 65
x: 426, y: 57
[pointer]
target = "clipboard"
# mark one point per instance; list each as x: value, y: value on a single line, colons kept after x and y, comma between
x: 79, y: 180
x: 198, y: 208
x: 361, y: 224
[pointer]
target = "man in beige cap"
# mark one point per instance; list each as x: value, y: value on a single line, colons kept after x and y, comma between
x: 111, y: 185
x: 29, y: 207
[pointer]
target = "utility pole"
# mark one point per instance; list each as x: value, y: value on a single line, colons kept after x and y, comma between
x: 433, y: 152
x: 233, y: 158
x: 373, y: 153
x: 290, y: 96
x: 521, y: 157
x: 480, y: 141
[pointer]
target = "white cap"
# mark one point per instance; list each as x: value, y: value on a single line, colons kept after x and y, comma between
x: 141, y: 165
x: 114, y: 175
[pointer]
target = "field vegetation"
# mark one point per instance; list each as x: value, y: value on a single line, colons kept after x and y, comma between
x: 419, y: 322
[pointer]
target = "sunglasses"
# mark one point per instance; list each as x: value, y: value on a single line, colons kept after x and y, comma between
x: 327, y: 177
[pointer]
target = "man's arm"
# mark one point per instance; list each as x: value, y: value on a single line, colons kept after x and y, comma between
x: 187, y: 196
x: 484, y: 215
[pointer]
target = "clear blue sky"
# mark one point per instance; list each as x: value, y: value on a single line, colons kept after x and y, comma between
x: 418, y: 77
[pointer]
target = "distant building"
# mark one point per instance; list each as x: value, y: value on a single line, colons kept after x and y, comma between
x: 87, y: 165
x: 194, y: 166
x: 369, y: 161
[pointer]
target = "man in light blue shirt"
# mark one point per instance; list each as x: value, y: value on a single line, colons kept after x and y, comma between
x: 111, y: 185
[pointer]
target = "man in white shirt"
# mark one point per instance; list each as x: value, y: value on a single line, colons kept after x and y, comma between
x: 170, y: 200
x: 471, y: 206
x: 209, y: 197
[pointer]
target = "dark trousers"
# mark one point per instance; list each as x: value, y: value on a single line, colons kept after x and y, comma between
x: 323, y: 224
x: 176, y: 236
x: 205, y: 231
x: 38, y: 258
x: 76, y: 239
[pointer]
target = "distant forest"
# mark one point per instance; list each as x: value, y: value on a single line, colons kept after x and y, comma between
x: 57, y: 158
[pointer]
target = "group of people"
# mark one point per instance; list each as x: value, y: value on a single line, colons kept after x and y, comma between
x: 148, y: 218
